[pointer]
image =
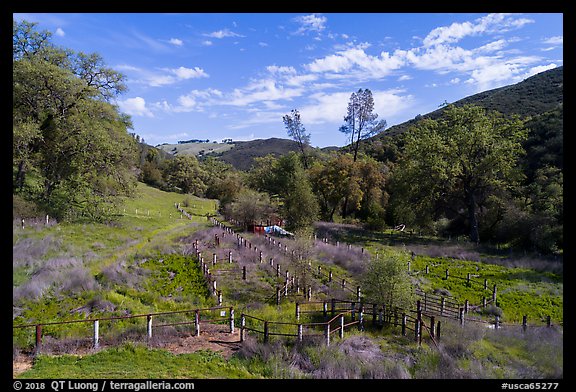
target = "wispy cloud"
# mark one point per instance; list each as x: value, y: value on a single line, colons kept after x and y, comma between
x: 176, y: 41
x: 59, y: 32
x: 558, y: 40
x: 224, y: 33
x: 310, y: 23
x: 166, y: 77
x: 492, y: 23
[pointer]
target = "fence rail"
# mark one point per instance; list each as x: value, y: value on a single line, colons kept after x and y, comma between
x: 149, y: 323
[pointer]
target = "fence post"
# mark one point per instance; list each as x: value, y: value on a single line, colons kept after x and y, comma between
x: 325, y: 308
x: 277, y: 295
x: 38, y: 338
x: 425, y: 301
x: 213, y: 258
x: 319, y: 271
x: 297, y: 311
x: 330, y: 276
x: 327, y: 334
x: 277, y: 270
x: 149, y: 326
x: 485, y: 284
x: 466, y: 305
x: 96, y: 334
x: 524, y: 323
x: 408, y: 266
x: 483, y: 302
x: 266, y: 337
x: 299, y: 332
x: 442, y: 304
x: 341, y: 326
x: 197, y: 321
x: 403, y: 324
x: 494, y: 291
x: 468, y: 278
x: 333, y: 307
x: 242, y: 326
x: 432, y: 326
x: 343, y: 283
x: 309, y: 293
x: 427, y: 270
x: 438, y: 331
x: 385, y: 314
x: 418, y: 310
x: 373, y: 314
x: 230, y: 256
x: 548, y: 321
x: 231, y: 320
x: 353, y: 313
x: 461, y: 314
x: 447, y: 274
x: 361, y: 318
x: 416, y: 329
x: 244, y: 273
x: 358, y: 293
x: 496, y: 321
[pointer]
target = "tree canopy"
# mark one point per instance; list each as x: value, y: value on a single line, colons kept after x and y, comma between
x: 68, y: 137
x: 454, y: 164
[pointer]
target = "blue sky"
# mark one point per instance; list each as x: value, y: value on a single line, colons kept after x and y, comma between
x: 234, y: 75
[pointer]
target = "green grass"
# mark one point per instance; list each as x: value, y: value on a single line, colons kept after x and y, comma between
x: 131, y: 361
x: 152, y: 242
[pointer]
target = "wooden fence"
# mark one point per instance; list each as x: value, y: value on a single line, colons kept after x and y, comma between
x: 213, y: 315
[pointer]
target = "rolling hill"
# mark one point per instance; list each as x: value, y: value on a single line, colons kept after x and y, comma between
x: 535, y: 95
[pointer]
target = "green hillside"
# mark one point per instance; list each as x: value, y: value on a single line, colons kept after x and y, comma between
x: 537, y: 94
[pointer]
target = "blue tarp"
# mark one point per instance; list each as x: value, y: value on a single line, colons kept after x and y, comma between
x: 277, y: 230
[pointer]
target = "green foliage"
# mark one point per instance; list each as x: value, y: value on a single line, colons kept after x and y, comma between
x: 176, y: 275
x: 386, y: 280
x: 184, y: 174
x: 139, y: 362
x: 65, y: 130
x: 456, y: 163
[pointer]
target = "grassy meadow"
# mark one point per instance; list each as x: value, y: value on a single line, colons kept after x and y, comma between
x: 144, y: 263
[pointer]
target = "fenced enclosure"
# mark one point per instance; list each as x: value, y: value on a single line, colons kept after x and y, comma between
x: 226, y: 257
x: 108, y: 331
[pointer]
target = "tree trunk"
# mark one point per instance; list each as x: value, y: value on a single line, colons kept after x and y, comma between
x: 19, y: 183
x: 474, y: 236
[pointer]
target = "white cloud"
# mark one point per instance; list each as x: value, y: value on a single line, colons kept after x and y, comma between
x: 492, y: 46
x: 355, y: 62
x: 558, y: 40
x: 311, y: 22
x: 135, y: 107
x: 169, y: 75
x: 207, y: 43
x: 225, y: 33
x: 59, y: 32
x: 184, y: 73
x: 492, y: 23
x: 404, y: 77
x: 263, y: 44
x: 194, y: 101
x: 331, y: 108
x: 176, y: 41
x: 261, y: 90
